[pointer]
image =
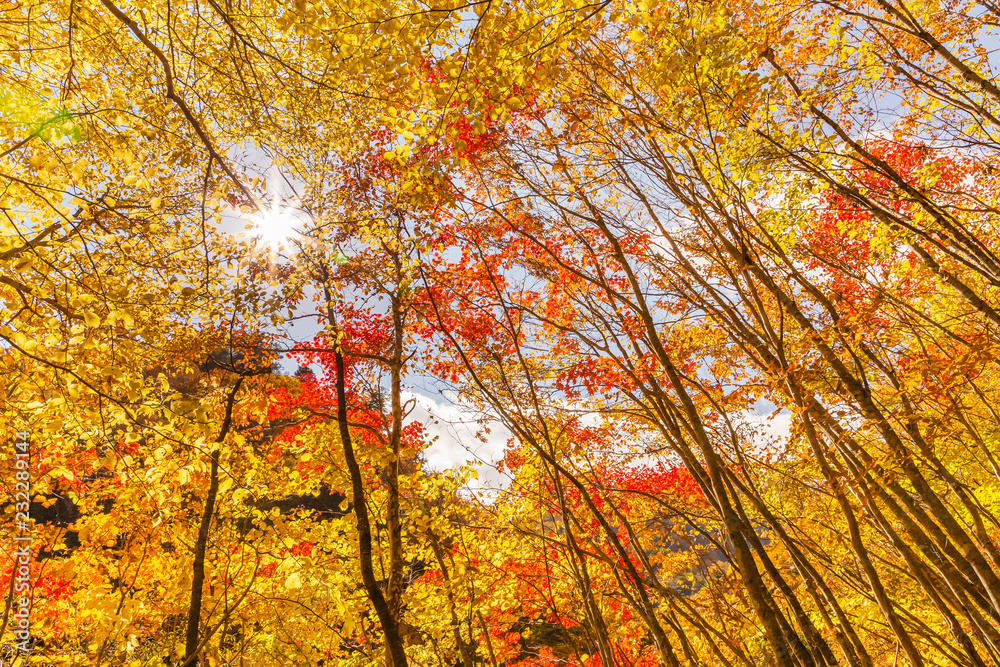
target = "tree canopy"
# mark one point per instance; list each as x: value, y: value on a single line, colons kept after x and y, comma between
x: 725, y: 271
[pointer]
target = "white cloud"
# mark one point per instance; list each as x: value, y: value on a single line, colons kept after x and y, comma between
x: 461, y: 438
x: 770, y: 427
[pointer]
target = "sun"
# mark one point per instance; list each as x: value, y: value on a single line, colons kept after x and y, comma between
x: 276, y: 226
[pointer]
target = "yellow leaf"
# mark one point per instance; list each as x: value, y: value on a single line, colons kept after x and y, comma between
x: 293, y: 581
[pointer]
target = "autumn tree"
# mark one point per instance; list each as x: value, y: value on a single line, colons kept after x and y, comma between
x: 626, y: 232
